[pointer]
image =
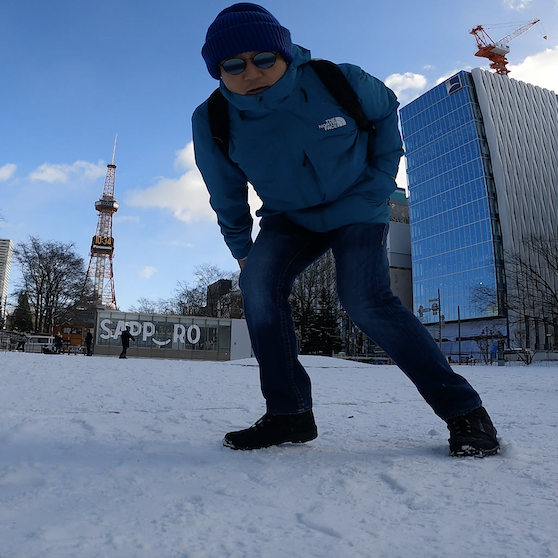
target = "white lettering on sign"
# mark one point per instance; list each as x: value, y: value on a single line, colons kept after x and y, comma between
x: 105, y: 327
x: 161, y: 343
x: 181, y: 334
x: 120, y: 327
x: 178, y: 333
x: 193, y: 334
x: 148, y: 330
x: 193, y: 338
x: 135, y: 328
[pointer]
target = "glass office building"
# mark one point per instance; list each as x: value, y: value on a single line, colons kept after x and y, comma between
x: 456, y: 239
x: 483, y: 177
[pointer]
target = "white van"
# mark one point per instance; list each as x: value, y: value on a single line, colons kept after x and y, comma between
x: 39, y: 344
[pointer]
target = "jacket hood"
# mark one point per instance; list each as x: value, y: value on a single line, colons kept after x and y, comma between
x: 270, y: 98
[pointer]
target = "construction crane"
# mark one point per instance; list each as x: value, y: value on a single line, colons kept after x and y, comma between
x: 496, y: 51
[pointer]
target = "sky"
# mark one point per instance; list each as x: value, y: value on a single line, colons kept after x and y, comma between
x: 124, y: 459
x: 74, y: 74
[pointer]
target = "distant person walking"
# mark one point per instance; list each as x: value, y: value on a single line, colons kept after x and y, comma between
x: 88, y: 342
x: 58, y: 343
x: 21, y: 342
x: 126, y: 336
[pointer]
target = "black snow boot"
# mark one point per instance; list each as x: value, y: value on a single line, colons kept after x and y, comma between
x: 272, y: 430
x: 472, y: 434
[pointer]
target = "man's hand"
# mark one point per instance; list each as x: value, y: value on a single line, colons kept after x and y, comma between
x: 241, y: 262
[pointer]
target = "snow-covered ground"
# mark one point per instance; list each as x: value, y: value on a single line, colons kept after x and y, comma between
x: 101, y: 457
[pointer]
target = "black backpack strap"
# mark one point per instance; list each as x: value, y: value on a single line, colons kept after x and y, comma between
x: 218, y: 108
x: 338, y: 85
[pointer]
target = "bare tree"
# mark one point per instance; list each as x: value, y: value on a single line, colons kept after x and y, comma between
x: 148, y: 306
x: 52, y: 277
x: 532, y: 277
x: 192, y: 300
x: 530, y: 299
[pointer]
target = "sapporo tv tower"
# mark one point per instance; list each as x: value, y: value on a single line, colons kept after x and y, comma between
x: 100, y: 273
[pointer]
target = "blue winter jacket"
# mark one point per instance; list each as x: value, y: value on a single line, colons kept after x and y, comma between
x: 303, y: 154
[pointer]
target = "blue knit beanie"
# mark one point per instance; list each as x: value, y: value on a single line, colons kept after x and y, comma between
x: 240, y: 28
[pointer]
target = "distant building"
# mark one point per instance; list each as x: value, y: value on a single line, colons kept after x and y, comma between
x: 398, y: 245
x: 482, y: 169
x: 6, y: 254
x: 172, y: 336
x: 224, y: 299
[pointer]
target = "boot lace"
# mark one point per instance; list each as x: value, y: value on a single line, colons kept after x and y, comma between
x: 260, y: 422
x: 460, y: 426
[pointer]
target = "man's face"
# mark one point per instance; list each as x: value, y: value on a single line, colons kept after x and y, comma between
x: 253, y: 79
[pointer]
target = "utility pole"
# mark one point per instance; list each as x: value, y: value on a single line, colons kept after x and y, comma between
x: 459, y: 330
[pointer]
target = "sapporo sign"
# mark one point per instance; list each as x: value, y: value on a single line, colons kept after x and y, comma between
x: 180, y: 334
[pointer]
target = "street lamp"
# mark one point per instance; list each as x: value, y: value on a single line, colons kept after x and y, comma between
x: 435, y: 308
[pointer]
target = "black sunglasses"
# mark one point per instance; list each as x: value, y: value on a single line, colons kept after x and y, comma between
x: 262, y: 60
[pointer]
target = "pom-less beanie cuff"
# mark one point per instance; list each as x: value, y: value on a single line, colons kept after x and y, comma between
x: 241, y: 28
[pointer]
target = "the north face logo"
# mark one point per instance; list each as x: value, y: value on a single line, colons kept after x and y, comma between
x: 332, y: 123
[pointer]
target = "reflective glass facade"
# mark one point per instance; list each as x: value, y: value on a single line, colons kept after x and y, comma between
x: 455, y: 233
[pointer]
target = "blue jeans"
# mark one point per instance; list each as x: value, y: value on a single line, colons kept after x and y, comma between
x: 281, y: 252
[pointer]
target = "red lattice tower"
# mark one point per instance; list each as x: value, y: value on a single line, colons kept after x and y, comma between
x: 100, y: 273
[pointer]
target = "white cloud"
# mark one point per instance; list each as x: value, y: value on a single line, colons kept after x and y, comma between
x: 447, y: 75
x: 82, y: 170
x: 517, y: 4
x: 177, y: 244
x: 540, y: 69
x: 147, y: 272
x: 7, y: 171
x: 185, y: 157
x: 406, y: 86
x: 401, y: 178
x: 255, y: 203
x: 126, y: 218
x: 185, y: 197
